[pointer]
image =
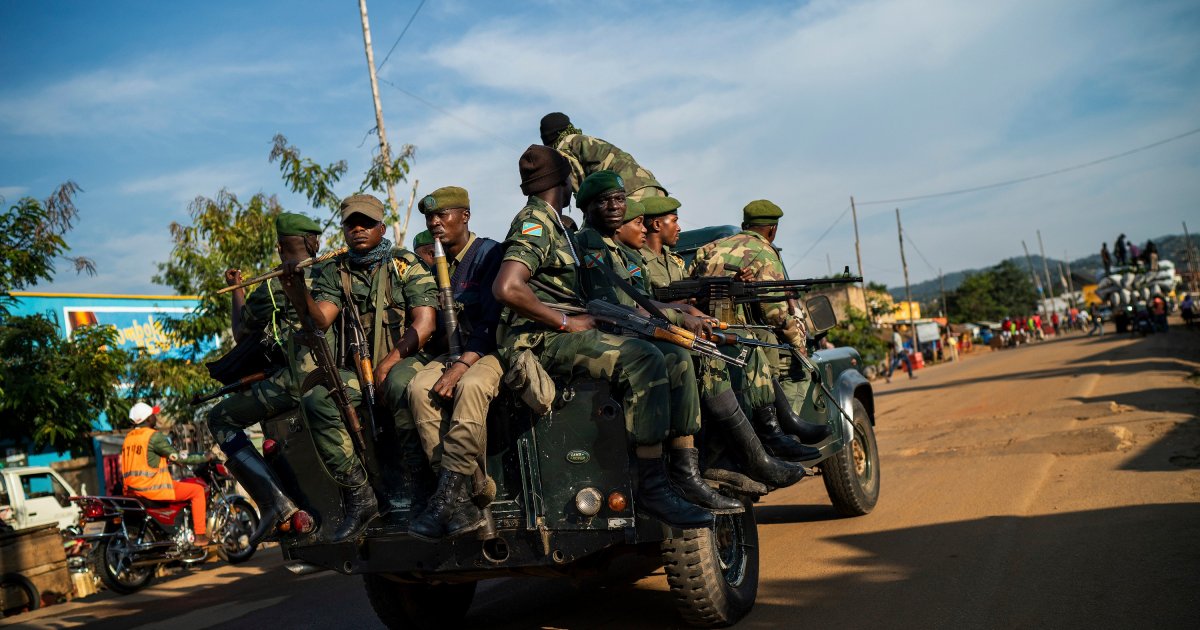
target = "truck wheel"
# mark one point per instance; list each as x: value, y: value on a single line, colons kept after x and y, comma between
x: 29, y: 599
x: 113, y: 558
x: 416, y: 605
x: 852, y: 476
x: 240, y: 522
x: 713, y: 574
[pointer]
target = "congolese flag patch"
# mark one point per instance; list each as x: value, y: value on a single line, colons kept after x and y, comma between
x: 591, y: 260
x: 634, y: 270
x: 529, y: 228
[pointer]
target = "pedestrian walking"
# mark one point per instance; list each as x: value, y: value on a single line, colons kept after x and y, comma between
x: 899, y: 354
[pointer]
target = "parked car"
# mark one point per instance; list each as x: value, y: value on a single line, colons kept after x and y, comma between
x: 37, y: 495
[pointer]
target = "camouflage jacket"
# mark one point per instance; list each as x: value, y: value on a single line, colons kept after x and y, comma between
x: 400, y: 283
x: 750, y: 250
x: 596, y: 249
x: 537, y: 240
x: 588, y: 154
x: 663, y: 269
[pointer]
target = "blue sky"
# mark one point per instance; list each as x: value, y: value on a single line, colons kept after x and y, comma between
x: 147, y: 105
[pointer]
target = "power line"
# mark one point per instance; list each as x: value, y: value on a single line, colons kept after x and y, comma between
x: 821, y: 237
x: 501, y: 141
x: 393, y: 48
x: 915, y: 248
x: 1038, y: 176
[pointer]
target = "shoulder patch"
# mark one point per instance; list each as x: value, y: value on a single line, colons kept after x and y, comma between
x: 591, y: 259
x: 529, y: 228
x: 634, y: 270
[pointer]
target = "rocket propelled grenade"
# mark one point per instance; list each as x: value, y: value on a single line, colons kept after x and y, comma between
x: 447, y: 316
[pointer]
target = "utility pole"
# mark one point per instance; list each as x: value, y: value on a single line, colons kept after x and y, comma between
x: 1037, y: 282
x: 1070, y: 280
x: 402, y: 232
x: 1045, y: 269
x: 384, y: 151
x: 942, y: 284
x: 829, y: 264
x: 857, y: 251
x: 912, y: 329
x: 1191, y: 261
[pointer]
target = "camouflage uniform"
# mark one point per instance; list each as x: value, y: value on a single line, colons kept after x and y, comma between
x: 643, y: 371
x: 267, y: 309
x: 383, y: 297
x: 588, y: 154
x: 663, y: 269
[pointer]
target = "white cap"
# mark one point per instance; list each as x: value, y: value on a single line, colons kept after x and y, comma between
x: 139, y: 412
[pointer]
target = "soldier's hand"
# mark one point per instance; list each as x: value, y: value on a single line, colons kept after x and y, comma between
x: 700, y: 326
x: 290, y: 272
x: 445, y: 385
x: 580, y: 323
x: 691, y: 310
x: 381, y: 371
x: 233, y: 276
x: 745, y: 274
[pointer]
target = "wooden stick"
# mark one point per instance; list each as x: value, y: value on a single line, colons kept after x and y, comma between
x: 278, y: 271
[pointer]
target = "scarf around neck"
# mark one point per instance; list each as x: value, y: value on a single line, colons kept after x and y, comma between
x: 371, y: 259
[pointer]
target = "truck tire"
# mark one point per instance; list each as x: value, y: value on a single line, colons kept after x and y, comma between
x: 713, y: 574
x: 243, y: 520
x: 852, y: 476
x: 31, y: 598
x: 112, y: 558
x: 417, y: 605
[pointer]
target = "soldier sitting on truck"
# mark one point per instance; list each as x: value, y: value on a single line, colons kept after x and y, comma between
x: 449, y: 396
x: 588, y: 154
x: 382, y: 297
x: 602, y: 197
x: 540, y: 266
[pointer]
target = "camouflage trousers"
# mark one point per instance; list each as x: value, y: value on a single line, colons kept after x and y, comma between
x: 454, y: 433
x: 751, y: 384
x: 256, y: 403
x: 648, y: 373
x: 329, y: 433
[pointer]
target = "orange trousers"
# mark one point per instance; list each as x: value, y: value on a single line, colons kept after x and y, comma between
x: 194, y: 492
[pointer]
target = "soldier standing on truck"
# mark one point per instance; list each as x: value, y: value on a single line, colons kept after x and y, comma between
x: 751, y: 252
x: 449, y: 396
x: 267, y: 312
x: 541, y: 266
x: 602, y: 197
x: 382, y: 297
x: 588, y: 154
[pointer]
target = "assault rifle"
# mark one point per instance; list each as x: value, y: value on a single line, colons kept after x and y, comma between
x: 238, y: 385
x: 624, y: 319
x: 719, y: 294
x: 328, y: 375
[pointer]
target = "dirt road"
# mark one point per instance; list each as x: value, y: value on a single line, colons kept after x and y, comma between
x: 1054, y: 485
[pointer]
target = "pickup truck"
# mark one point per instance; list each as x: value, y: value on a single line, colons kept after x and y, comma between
x: 36, y: 495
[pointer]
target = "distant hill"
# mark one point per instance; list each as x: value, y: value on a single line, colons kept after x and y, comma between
x: 1084, y: 270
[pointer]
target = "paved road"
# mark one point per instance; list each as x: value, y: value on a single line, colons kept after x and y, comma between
x: 1053, y: 485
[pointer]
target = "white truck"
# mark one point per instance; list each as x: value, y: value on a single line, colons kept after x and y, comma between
x: 36, y: 495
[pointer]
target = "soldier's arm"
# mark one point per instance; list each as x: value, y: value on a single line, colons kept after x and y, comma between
x: 512, y: 290
x: 323, y: 309
x: 233, y: 277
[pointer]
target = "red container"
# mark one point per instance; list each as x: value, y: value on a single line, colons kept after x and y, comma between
x: 918, y: 360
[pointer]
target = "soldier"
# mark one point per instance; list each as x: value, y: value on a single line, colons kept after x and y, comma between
x: 662, y: 233
x: 540, y: 265
x: 630, y: 238
x: 449, y: 396
x: 391, y: 292
x: 588, y: 154
x: 602, y: 197
x: 423, y: 247
x: 268, y: 311
x: 751, y: 251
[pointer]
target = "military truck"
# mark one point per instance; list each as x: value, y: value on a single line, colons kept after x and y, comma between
x: 565, y: 504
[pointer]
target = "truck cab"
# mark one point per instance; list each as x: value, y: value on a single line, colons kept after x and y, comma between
x: 36, y: 495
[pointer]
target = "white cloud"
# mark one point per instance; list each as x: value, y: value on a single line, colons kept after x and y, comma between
x: 11, y: 193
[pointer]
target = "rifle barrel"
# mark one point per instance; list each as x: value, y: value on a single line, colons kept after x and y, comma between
x: 278, y: 271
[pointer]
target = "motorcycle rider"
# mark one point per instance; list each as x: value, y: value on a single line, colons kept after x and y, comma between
x: 144, y: 458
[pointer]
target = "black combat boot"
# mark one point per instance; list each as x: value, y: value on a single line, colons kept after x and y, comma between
x: 466, y: 516
x: 746, y: 449
x: 358, y: 502
x: 778, y: 443
x: 417, y: 473
x: 807, y: 432
x: 275, y: 508
x: 430, y: 524
x: 684, y: 467
x: 656, y: 498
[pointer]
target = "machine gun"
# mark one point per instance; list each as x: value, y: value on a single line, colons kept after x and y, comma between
x: 622, y: 319
x: 718, y: 294
x: 447, y: 314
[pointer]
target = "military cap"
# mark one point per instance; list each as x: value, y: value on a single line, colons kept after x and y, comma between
x: 444, y: 198
x: 595, y: 185
x: 761, y: 212
x: 292, y: 224
x: 553, y: 124
x: 362, y: 203
x: 423, y: 238
x: 542, y: 168
x: 658, y: 206
x: 633, y: 210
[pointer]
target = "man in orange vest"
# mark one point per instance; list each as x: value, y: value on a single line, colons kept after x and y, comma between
x: 144, y: 458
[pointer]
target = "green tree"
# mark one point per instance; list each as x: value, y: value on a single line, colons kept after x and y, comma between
x: 32, y: 236
x: 855, y: 330
x: 993, y: 294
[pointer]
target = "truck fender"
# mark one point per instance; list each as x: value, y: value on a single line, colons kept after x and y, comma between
x: 851, y: 383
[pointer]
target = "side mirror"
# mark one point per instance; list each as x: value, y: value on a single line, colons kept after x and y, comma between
x: 820, y: 314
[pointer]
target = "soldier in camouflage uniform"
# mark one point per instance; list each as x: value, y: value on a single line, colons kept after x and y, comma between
x: 541, y: 266
x: 588, y: 154
x: 630, y: 238
x: 267, y: 311
x: 395, y: 298
x: 662, y: 233
x: 602, y: 197
x: 752, y: 252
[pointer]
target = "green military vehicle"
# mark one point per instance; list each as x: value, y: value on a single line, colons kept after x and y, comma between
x: 564, y: 502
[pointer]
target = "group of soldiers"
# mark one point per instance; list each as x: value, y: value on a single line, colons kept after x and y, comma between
x: 520, y: 308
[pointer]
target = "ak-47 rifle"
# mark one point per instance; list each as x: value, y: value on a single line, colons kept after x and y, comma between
x: 238, y: 385
x: 447, y: 314
x: 327, y: 368
x: 278, y: 271
x: 718, y: 294
x: 624, y: 319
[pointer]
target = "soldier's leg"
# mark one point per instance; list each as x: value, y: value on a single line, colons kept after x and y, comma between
x: 254, y: 404
x: 429, y: 412
x: 395, y: 390
x: 684, y: 392
x: 330, y: 437
x: 466, y: 439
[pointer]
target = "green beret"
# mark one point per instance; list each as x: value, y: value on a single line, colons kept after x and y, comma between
x: 424, y: 238
x: 761, y: 212
x: 444, y: 198
x: 658, y: 206
x: 633, y: 210
x: 292, y: 224
x: 595, y: 185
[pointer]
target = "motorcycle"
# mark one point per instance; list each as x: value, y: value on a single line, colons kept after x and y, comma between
x: 133, y: 536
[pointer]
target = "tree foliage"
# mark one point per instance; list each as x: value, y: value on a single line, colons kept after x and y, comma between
x: 33, y: 235
x: 1002, y: 291
x: 855, y: 330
